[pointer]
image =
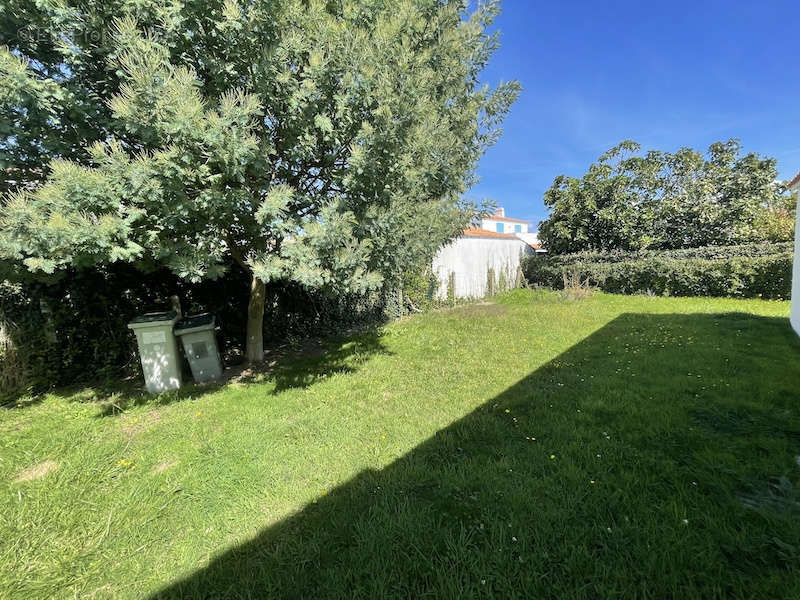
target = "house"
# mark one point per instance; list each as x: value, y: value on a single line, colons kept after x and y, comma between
x: 794, y: 186
x: 485, y: 259
x: 500, y: 223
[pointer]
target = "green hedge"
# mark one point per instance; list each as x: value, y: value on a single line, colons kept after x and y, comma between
x: 74, y: 328
x: 755, y: 270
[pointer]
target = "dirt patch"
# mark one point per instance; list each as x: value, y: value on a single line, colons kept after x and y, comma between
x: 164, y: 465
x: 134, y: 425
x: 36, y: 471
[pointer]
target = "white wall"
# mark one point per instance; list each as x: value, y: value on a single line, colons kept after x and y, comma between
x: 490, y: 224
x: 470, y: 259
x: 529, y: 238
x: 795, y: 316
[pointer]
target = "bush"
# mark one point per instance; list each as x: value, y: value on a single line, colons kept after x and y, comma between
x: 74, y: 328
x: 748, y: 271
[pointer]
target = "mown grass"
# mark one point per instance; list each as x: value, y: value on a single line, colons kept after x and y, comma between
x: 531, y: 448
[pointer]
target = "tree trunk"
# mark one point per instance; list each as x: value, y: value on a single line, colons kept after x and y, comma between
x: 255, y: 322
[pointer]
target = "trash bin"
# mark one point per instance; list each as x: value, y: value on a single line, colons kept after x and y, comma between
x: 158, y: 350
x: 197, y: 334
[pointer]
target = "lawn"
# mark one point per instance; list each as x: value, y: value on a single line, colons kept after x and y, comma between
x: 534, y: 447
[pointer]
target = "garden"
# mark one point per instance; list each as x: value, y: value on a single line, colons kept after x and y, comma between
x: 531, y: 446
x: 624, y: 424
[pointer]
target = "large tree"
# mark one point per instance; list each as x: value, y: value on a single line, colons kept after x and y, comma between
x: 325, y: 142
x: 630, y: 200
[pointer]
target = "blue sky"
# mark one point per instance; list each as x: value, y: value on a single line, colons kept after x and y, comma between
x: 666, y: 74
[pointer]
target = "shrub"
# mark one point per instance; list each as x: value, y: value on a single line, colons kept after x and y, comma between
x: 74, y: 328
x: 576, y: 288
x: 747, y: 271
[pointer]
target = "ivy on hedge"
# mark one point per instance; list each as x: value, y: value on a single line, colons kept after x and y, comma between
x: 746, y: 271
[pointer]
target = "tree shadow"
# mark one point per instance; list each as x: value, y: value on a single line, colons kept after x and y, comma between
x: 316, y: 361
x: 289, y: 365
x: 618, y: 469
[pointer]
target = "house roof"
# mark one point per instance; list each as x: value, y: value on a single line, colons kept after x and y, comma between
x: 485, y: 233
x: 795, y: 180
x: 499, y: 218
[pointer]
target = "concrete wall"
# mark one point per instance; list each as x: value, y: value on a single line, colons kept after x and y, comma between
x: 470, y: 258
x: 795, y: 317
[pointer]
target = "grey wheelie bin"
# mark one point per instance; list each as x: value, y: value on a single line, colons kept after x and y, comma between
x: 158, y: 350
x: 200, y: 346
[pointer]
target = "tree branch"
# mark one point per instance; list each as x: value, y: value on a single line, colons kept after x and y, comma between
x: 236, y: 252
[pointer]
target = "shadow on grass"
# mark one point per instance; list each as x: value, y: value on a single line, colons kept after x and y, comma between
x: 313, y: 362
x: 616, y: 470
x: 288, y: 366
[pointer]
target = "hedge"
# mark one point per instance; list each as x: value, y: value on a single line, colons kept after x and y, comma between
x: 755, y: 270
x: 74, y: 328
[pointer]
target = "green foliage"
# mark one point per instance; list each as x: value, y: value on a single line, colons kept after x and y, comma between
x: 776, y: 222
x: 419, y: 290
x: 74, y: 328
x: 756, y: 270
x: 661, y: 200
x: 321, y: 143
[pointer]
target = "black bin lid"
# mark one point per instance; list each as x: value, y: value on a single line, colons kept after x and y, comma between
x: 195, y: 321
x: 155, y: 316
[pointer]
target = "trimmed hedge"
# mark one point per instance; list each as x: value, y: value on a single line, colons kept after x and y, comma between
x: 755, y: 270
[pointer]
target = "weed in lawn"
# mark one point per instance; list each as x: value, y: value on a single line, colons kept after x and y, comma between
x: 576, y: 287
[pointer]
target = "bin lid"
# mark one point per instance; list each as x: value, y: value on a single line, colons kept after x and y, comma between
x: 154, y: 317
x: 195, y: 323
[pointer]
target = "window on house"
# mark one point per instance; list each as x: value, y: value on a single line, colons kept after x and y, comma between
x: 518, y: 228
x: 499, y: 228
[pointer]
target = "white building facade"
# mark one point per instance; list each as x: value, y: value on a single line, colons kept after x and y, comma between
x: 485, y: 259
x: 478, y: 264
x: 794, y: 186
x: 499, y: 223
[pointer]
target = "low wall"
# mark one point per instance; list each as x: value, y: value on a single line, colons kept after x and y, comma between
x: 466, y: 263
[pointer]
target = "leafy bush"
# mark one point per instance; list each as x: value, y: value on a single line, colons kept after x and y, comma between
x: 74, y: 328
x: 746, y: 271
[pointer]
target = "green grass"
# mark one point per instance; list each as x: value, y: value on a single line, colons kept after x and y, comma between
x: 532, y: 448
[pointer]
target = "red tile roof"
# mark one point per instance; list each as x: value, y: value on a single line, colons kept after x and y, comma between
x: 795, y: 180
x: 475, y: 232
x: 509, y: 219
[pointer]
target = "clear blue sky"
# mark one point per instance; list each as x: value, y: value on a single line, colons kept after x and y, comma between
x: 666, y: 74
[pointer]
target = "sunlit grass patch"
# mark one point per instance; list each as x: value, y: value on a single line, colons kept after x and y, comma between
x: 536, y: 447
